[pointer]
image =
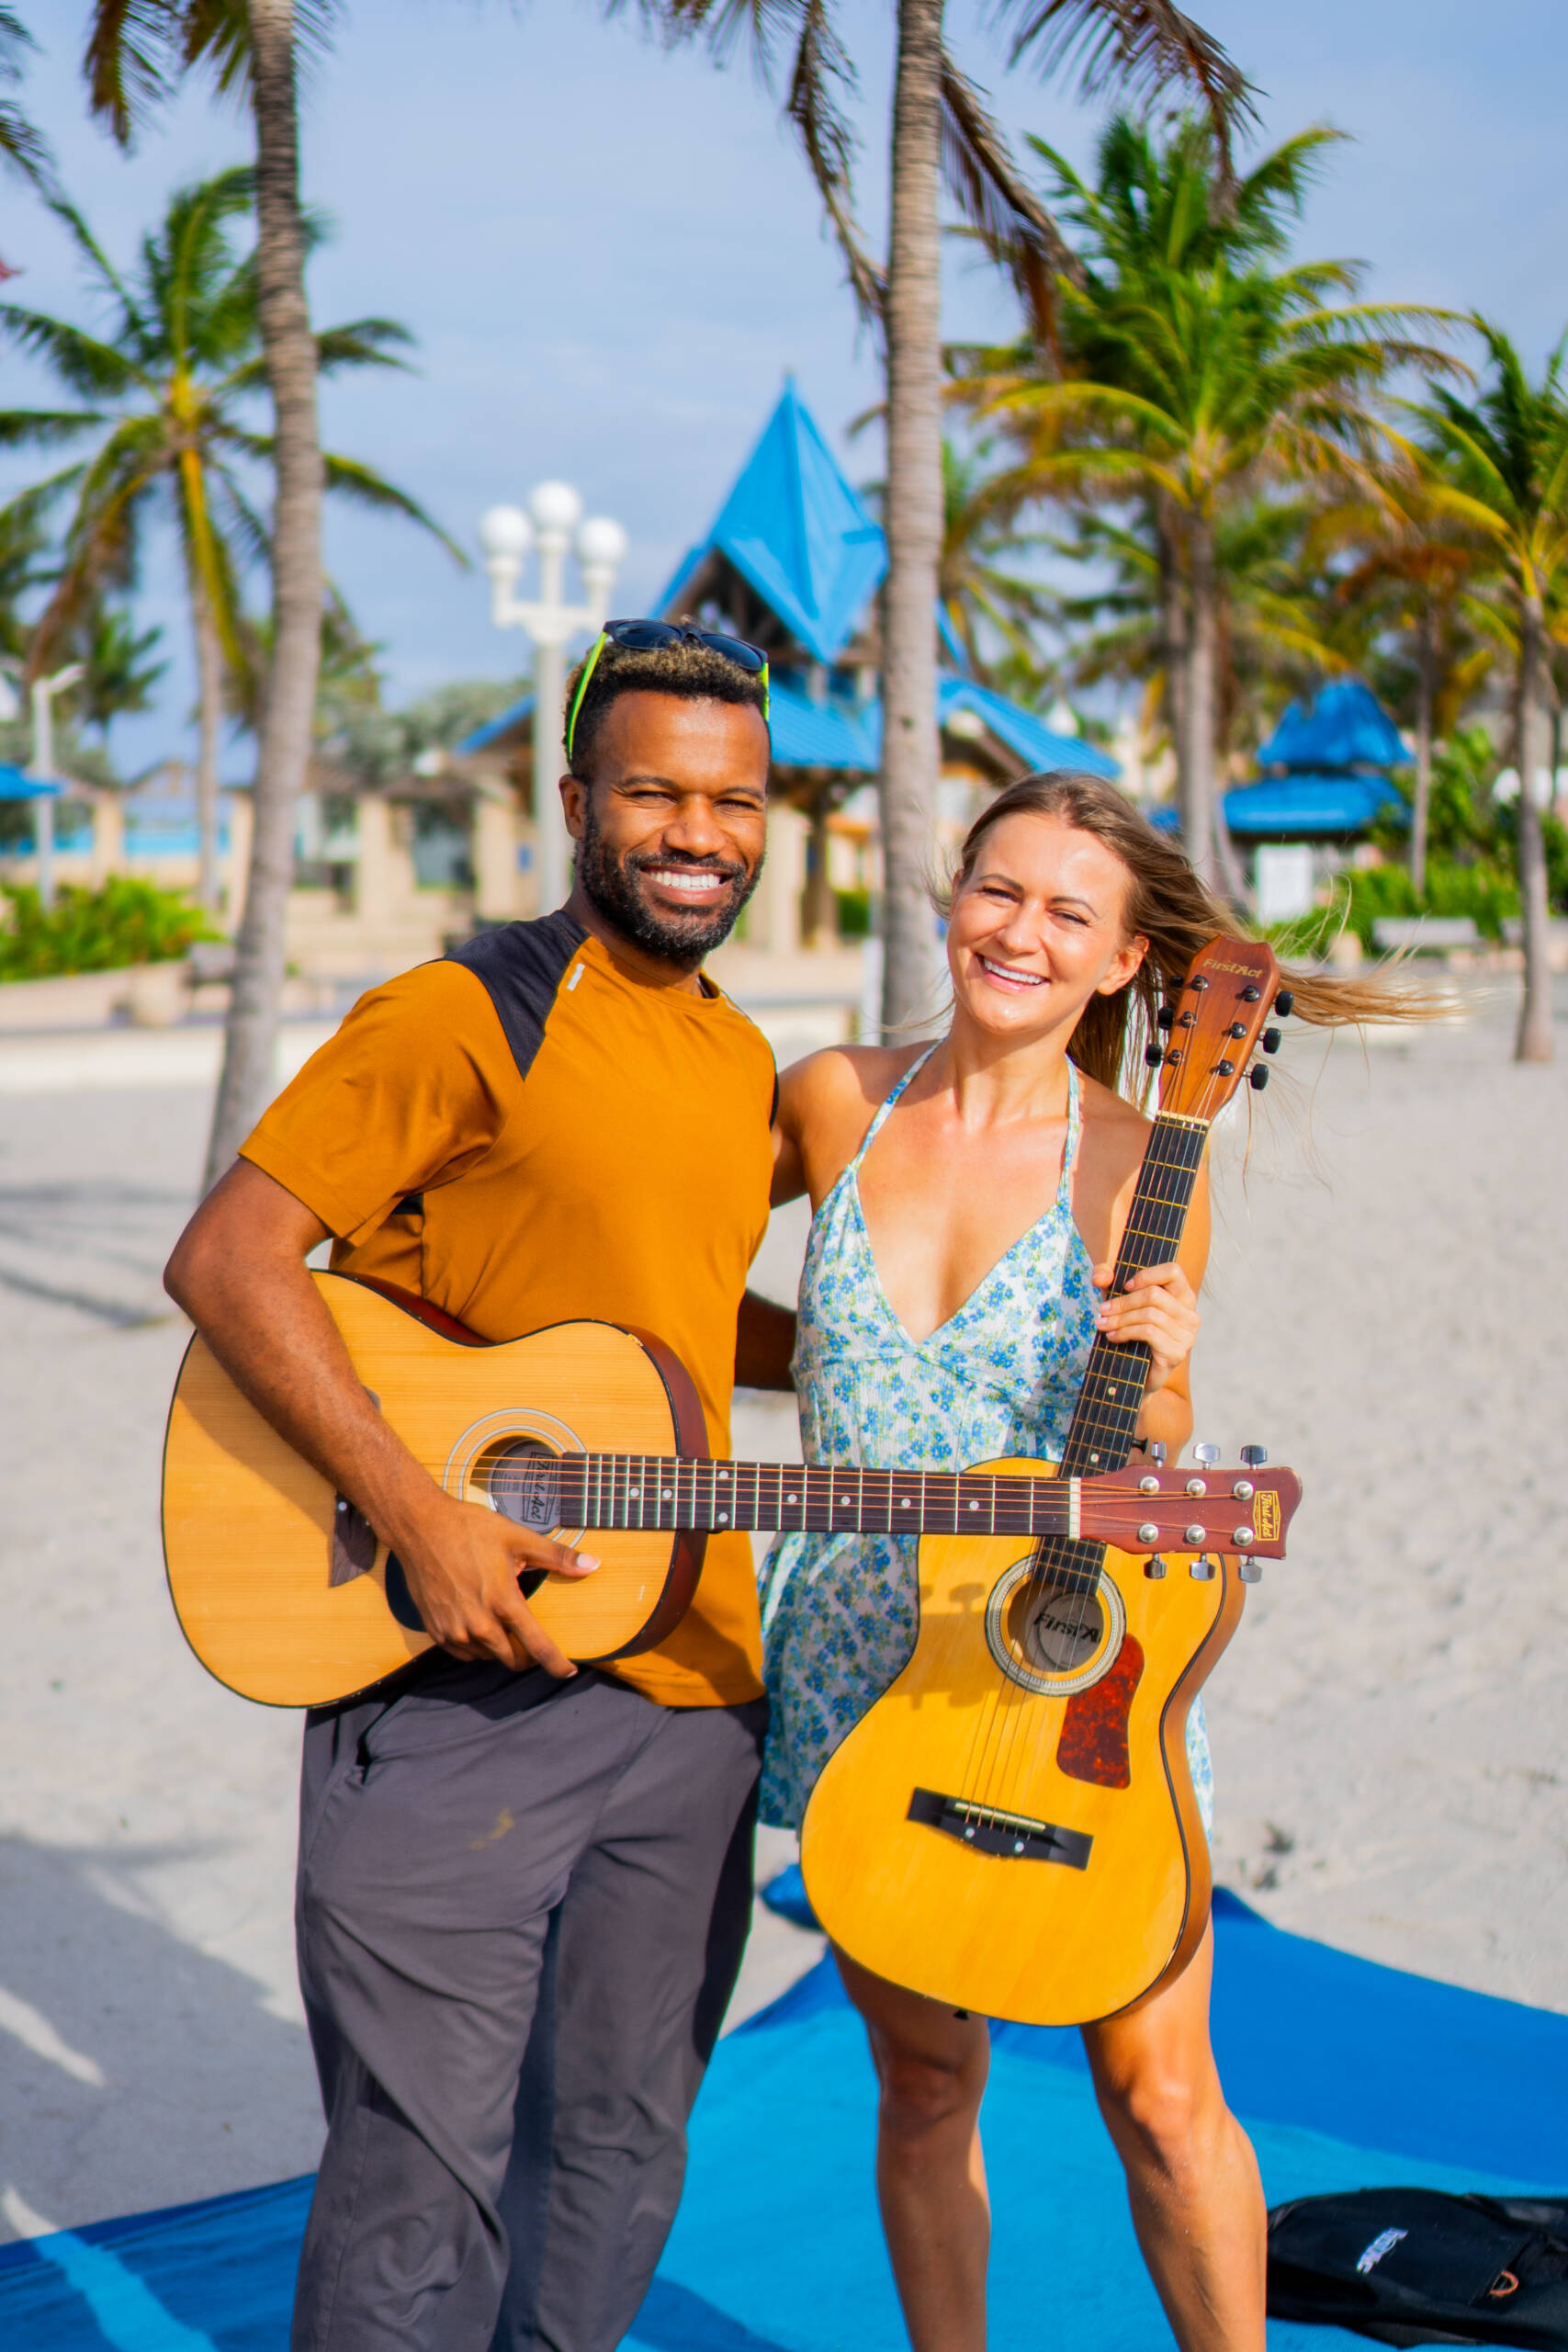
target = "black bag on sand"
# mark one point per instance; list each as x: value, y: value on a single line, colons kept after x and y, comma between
x: 1412, y: 2265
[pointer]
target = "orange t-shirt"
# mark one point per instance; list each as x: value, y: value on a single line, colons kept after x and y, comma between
x: 525, y: 1135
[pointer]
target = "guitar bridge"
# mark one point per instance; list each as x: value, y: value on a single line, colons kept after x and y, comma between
x: 1014, y: 1837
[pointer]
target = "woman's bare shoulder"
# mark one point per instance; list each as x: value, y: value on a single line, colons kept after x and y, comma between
x: 843, y: 1078
x: 1116, y: 1127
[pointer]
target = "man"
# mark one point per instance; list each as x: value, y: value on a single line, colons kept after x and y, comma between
x: 524, y: 1889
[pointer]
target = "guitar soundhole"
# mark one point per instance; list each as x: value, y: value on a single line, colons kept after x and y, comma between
x: 1055, y: 1629
x: 521, y: 1481
x: 1054, y: 1633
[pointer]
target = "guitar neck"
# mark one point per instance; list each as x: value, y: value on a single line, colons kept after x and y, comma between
x: 630, y: 1490
x: 1105, y: 1419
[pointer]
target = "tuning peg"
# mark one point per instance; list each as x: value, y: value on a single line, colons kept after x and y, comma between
x: 1153, y: 1055
x: 1255, y: 1456
x: 1249, y: 1570
x: 1153, y: 1567
x: 1250, y: 995
x: 1284, y: 1003
x: 1155, y: 1452
x: 1270, y: 1041
x: 1166, y: 1016
x: 1259, y: 1078
x: 1237, y: 1029
x: 1203, y: 1569
x: 1207, y: 1455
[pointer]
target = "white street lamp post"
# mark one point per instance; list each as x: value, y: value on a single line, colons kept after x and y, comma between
x: 44, y: 692
x: 506, y: 534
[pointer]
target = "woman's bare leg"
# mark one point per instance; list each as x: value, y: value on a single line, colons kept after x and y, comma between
x: 930, y: 2176
x: 1191, y: 2177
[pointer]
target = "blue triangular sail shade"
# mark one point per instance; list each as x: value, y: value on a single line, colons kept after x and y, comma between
x: 795, y: 529
x: 1346, y: 726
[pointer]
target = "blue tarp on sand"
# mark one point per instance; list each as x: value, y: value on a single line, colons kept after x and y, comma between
x: 1347, y: 2075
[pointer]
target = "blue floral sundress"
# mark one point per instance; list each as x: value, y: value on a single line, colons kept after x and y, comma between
x: 1001, y: 1377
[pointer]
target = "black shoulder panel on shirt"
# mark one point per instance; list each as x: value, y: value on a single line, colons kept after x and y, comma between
x: 522, y: 966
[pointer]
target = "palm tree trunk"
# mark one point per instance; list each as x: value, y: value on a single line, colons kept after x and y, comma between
x: 1534, y: 1041
x: 819, y: 914
x: 1198, y: 695
x: 210, y: 714
x: 911, y: 758
x: 1421, y: 814
x: 290, y: 697
x: 1173, y: 637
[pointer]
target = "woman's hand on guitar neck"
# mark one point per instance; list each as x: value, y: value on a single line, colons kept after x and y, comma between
x: 463, y: 1562
x: 1159, y: 1306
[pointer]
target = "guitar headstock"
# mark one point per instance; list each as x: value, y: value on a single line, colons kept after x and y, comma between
x: 1147, y: 1508
x: 1218, y: 1016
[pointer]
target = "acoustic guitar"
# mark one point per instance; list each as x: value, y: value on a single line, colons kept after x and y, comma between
x: 286, y: 1594
x: 1012, y: 1828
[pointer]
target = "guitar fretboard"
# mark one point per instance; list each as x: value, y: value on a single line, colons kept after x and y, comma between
x: 1105, y: 1419
x: 655, y: 1490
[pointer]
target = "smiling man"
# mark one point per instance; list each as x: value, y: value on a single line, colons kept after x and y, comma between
x: 524, y: 1890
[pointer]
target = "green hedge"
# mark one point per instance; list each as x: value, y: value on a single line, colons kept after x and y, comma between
x: 122, y: 921
x: 1486, y: 893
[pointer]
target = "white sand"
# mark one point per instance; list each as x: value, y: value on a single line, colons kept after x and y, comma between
x: 1388, y: 1726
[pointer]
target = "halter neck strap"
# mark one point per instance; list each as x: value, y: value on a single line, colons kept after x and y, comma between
x: 876, y: 1127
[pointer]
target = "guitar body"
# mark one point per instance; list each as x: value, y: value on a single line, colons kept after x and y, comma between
x: 1072, y: 1927
x: 285, y: 1597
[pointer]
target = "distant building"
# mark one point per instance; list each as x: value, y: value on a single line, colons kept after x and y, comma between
x: 793, y: 562
x: 1323, y: 782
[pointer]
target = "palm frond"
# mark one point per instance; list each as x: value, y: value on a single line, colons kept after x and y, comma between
x: 822, y: 70
x: 998, y: 203
x: 129, y: 60
x: 94, y: 369
x: 1137, y: 48
x: 43, y: 428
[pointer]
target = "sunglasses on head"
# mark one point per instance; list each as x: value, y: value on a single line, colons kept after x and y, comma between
x: 646, y: 637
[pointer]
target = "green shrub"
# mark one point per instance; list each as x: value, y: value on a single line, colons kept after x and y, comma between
x: 1486, y: 892
x: 122, y: 921
x: 854, y: 913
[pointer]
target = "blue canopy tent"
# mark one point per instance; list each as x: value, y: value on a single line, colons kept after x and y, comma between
x: 793, y: 561
x: 17, y: 784
x: 1323, y: 771
x: 1346, y: 2076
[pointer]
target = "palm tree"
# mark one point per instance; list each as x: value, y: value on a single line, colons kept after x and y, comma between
x: 1501, y: 471
x: 135, y: 55
x: 168, y: 381
x: 941, y: 127
x: 1409, y: 568
x: 21, y: 145
x: 120, y: 674
x: 1204, y: 377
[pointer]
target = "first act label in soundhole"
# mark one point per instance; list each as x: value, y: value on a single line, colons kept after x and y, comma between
x: 1052, y: 1634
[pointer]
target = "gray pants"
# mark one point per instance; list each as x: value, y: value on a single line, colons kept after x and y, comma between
x: 522, y: 1906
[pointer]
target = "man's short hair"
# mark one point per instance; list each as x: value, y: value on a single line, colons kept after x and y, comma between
x: 690, y: 673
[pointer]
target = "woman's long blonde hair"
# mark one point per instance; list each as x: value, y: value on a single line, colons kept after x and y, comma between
x: 1177, y: 914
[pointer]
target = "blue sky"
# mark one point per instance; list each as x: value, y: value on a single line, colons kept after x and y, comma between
x: 611, y: 255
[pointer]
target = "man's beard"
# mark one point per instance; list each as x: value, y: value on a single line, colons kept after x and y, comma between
x: 613, y: 888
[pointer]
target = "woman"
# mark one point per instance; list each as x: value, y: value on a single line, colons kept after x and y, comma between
x: 969, y: 1197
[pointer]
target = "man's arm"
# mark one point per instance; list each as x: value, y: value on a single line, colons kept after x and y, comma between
x: 764, y: 1342
x: 238, y: 1271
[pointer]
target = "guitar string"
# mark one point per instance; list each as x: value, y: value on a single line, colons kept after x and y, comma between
x: 997, y: 1731
x: 1098, y: 1428
x: 1100, y: 1434
x: 1155, y: 1218
x: 1089, y: 1435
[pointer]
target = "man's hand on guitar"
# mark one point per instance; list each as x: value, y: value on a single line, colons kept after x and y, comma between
x: 1159, y: 1306
x: 463, y: 1564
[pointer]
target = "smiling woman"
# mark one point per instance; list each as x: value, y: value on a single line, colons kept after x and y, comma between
x: 970, y: 1200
